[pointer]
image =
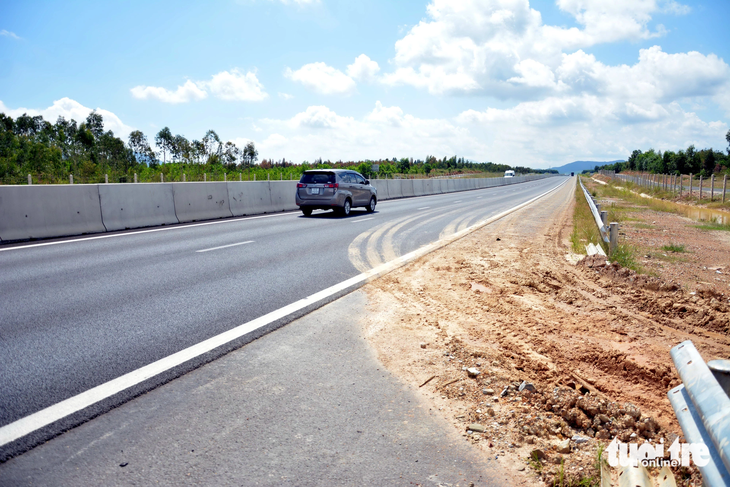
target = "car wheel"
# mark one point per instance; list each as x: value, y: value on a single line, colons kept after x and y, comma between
x: 307, y: 211
x: 345, y: 210
x: 371, y: 206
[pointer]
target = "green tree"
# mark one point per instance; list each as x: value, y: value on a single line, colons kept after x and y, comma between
x: 164, y: 140
x: 140, y: 146
x: 250, y: 155
x: 708, y: 167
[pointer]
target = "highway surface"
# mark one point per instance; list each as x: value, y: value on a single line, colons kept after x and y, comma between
x: 76, y: 313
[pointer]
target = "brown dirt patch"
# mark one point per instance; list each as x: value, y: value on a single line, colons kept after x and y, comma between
x: 594, y: 341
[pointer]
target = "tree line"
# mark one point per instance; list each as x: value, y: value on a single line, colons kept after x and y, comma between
x: 703, y: 162
x: 52, y: 152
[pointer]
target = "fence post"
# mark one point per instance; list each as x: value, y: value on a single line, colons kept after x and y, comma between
x: 240, y: 177
x: 254, y: 177
x: 712, y: 188
x: 162, y: 178
x: 205, y: 177
x: 724, y: 187
x: 700, y: 186
x: 30, y: 180
x: 106, y: 179
x: 225, y: 177
x: 70, y: 178
x: 135, y: 177
x: 185, y: 178
x: 613, y: 238
x: 690, y: 185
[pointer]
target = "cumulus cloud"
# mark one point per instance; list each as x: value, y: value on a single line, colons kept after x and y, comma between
x: 71, y: 110
x: 188, y: 92
x: 363, y: 68
x: 285, y: 96
x: 502, y: 48
x: 226, y: 85
x: 237, y: 86
x: 323, y: 79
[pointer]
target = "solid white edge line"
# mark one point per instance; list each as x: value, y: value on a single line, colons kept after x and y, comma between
x: 139, y: 232
x: 51, y: 414
x: 363, y: 219
x: 226, y: 246
x: 424, y: 208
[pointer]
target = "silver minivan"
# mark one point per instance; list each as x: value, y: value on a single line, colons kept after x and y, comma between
x: 335, y: 189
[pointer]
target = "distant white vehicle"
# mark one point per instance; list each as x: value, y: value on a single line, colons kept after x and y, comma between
x: 509, y: 174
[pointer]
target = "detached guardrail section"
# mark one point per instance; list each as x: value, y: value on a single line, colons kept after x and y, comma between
x: 46, y: 211
x: 702, y: 407
x: 609, y: 232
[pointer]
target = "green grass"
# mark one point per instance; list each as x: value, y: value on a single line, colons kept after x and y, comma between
x: 676, y: 248
x: 625, y: 255
x: 714, y: 226
x: 643, y: 225
x: 585, y: 230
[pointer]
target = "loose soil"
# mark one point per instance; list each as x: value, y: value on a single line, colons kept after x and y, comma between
x: 592, y: 339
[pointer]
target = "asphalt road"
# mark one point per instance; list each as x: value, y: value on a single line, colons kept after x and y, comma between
x: 79, y: 313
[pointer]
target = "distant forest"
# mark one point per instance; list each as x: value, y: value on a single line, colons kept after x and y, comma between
x: 50, y: 153
x: 703, y: 162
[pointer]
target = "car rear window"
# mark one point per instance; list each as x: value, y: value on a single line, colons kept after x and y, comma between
x: 318, y: 178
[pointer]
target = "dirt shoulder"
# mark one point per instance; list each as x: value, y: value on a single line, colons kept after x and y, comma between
x: 592, y: 341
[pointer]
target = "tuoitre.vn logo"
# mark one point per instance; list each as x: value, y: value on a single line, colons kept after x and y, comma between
x: 653, y: 455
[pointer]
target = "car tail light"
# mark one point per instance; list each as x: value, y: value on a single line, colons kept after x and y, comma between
x: 335, y: 186
x: 301, y: 185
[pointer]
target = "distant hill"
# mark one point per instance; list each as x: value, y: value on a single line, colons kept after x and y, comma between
x: 580, y: 166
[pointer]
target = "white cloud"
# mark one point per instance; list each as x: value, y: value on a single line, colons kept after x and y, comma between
x: 502, y: 48
x: 300, y: 2
x: 285, y: 96
x: 322, y: 78
x: 363, y: 68
x: 12, y: 35
x: 226, y: 85
x: 234, y: 85
x: 71, y: 109
x: 319, y: 117
x: 188, y: 92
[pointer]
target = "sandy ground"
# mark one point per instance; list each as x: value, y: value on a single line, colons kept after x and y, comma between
x: 593, y: 340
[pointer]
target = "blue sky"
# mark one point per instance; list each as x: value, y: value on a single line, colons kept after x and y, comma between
x: 536, y: 83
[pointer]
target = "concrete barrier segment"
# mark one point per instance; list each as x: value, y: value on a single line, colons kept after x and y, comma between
x: 283, y: 195
x: 249, y: 197
x: 43, y: 211
x: 407, y: 188
x: 136, y: 205
x: 201, y: 201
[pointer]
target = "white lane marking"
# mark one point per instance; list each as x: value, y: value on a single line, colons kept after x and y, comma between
x: 51, y: 414
x: 424, y: 208
x: 479, y: 197
x: 457, y: 201
x: 183, y: 226
x: 226, y: 246
x: 363, y: 219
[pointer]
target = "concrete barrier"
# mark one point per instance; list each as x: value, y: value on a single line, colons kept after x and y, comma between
x: 395, y: 188
x: 283, y: 195
x: 201, y: 201
x: 42, y: 211
x: 382, y: 186
x: 249, y: 197
x: 136, y: 205
x: 419, y: 187
x: 428, y: 187
x: 407, y: 188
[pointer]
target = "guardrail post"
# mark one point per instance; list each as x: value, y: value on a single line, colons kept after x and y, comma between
x: 712, y: 188
x: 604, y: 217
x: 613, y: 238
x: 30, y: 180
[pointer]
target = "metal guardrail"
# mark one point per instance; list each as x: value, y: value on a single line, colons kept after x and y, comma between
x: 702, y: 407
x: 602, y: 227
